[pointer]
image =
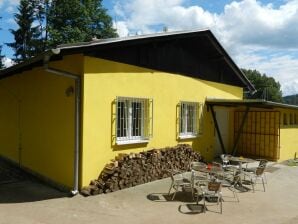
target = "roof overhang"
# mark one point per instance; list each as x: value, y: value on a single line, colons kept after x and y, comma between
x: 255, y: 103
x: 86, y: 47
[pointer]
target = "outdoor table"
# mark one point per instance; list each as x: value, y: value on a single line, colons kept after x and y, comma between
x: 210, y: 170
x: 240, y: 161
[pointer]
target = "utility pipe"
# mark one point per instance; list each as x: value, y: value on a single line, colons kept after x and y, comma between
x: 77, y: 79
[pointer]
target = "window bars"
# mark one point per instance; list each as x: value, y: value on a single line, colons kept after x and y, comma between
x: 190, y: 119
x: 133, y: 120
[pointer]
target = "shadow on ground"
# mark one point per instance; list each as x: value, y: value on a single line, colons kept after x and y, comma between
x: 17, y: 186
x: 164, y: 197
x: 27, y: 191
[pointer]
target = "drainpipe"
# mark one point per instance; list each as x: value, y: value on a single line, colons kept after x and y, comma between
x: 77, y: 80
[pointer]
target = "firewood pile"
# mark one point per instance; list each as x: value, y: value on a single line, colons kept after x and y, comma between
x: 128, y: 170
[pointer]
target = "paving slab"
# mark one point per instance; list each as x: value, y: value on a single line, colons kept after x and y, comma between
x: 31, y: 202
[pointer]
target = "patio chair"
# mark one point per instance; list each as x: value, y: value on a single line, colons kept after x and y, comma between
x: 226, y: 164
x: 262, y: 163
x: 196, y: 175
x: 211, y: 190
x: 224, y: 176
x: 178, y: 182
x: 256, y: 175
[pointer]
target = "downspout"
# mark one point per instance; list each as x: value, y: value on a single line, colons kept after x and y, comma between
x: 77, y: 80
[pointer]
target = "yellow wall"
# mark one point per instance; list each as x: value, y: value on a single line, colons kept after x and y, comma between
x: 105, y: 80
x: 288, y: 136
x: 42, y: 123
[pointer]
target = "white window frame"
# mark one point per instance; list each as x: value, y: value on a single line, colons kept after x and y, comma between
x: 125, y: 126
x: 196, y: 125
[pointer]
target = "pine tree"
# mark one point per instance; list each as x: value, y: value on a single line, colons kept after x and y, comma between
x: 72, y: 21
x: 27, y: 37
x: 66, y: 22
x: 99, y: 23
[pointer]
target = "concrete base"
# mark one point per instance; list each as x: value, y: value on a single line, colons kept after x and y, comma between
x: 31, y: 202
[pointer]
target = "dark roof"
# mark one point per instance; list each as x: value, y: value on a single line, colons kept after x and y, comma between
x: 256, y: 103
x: 208, y: 45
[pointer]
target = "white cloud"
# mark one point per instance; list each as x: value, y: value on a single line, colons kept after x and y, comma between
x: 282, y: 67
x: 12, y: 23
x: 7, y: 62
x: 121, y: 28
x: 10, y: 9
x: 9, y: 2
x: 244, y: 28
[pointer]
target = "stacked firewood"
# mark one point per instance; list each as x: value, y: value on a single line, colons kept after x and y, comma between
x: 128, y: 170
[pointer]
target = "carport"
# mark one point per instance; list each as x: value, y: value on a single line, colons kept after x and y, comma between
x: 256, y: 127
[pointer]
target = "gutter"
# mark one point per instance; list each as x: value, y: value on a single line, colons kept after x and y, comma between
x: 77, y: 80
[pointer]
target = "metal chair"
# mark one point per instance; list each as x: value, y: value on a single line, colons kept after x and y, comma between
x: 178, y: 182
x: 257, y: 174
x: 196, y: 175
x: 223, y: 177
x: 262, y: 163
x: 211, y: 189
x: 226, y: 164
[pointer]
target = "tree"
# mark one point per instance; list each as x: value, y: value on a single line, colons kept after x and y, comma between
x: 27, y: 37
x: 1, y: 59
x: 72, y: 21
x: 99, y: 23
x: 267, y: 88
x: 1, y: 56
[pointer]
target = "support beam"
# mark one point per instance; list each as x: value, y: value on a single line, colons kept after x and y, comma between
x: 240, y: 131
x: 217, y: 130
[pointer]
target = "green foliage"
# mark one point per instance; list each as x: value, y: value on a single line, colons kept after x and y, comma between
x: 27, y: 38
x: 72, y: 21
x: 292, y: 99
x: 267, y: 88
x: 43, y: 24
x: 1, y: 56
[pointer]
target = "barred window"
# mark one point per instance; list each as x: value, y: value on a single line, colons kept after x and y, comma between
x: 190, y: 119
x: 132, y: 120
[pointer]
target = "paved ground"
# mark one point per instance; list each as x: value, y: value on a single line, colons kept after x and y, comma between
x: 27, y: 201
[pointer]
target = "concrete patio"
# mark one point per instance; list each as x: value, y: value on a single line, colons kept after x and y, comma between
x: 28, y: 201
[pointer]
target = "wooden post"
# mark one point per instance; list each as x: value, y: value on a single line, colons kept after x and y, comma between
x: 240, y: 130
x: 217, y: 130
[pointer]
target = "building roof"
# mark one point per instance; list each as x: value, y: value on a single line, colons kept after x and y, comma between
x: 257, y: 103
x: 204, y: 40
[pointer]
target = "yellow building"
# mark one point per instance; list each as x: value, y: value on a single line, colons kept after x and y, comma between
x: 67, y: 112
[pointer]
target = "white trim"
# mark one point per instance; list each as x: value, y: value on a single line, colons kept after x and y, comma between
x: 135, y: 119
x: 188, y: 136
x: 134, y: 141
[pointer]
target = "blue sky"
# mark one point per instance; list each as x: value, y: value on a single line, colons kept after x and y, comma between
x: 261, y: 35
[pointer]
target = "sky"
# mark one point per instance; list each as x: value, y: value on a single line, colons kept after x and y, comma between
x: 260, y: 35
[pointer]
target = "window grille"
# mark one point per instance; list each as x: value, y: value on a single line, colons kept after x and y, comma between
x: 190, y: 119
x: 133, y: 120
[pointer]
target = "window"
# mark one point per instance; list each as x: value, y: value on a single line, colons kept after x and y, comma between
x: 132, y: 120
x: 285, y: 119
x: 189, y: 122
x: 291, y: 119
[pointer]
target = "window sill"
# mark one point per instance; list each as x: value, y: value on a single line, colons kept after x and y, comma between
x: 187, y: 136
x: 129, y: 142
